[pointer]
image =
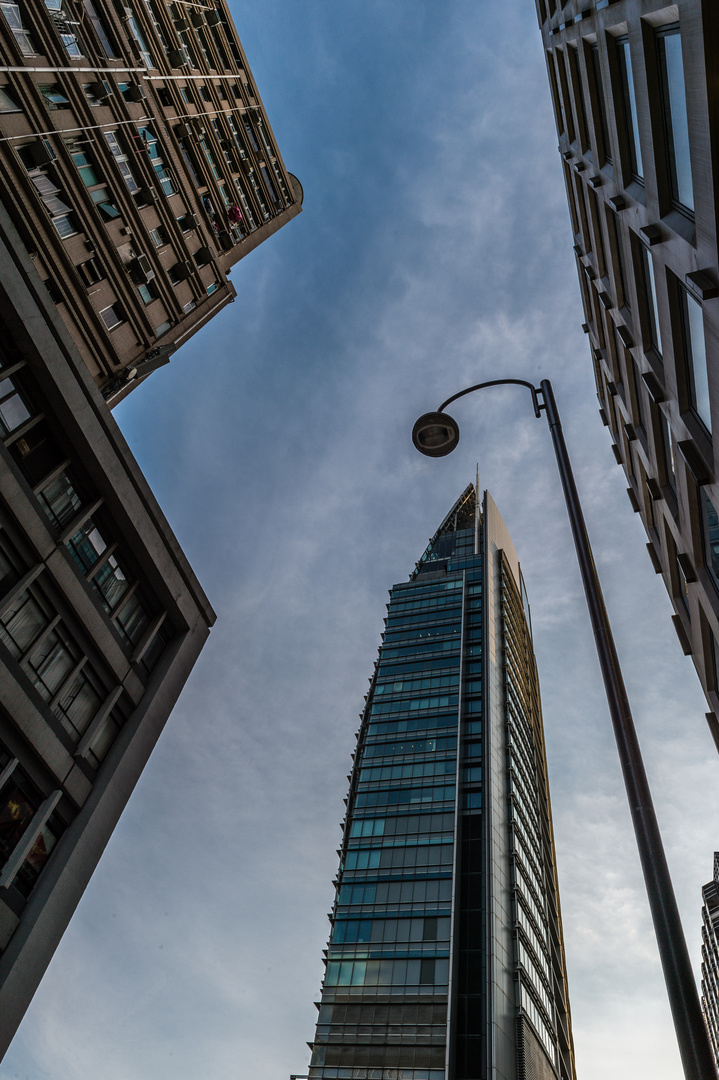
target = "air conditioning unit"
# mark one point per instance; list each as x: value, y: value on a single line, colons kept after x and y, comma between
x: 213, y: 17
x: 182, y: 24
x: 176, y: 58
x: 134, y: 93
x: 99, y: 91
x: 197, y: 19
x: 140, y: 270
x: 146, y: 195
x: 182, y: 131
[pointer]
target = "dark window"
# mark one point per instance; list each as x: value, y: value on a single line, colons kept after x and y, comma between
x: 7, y: 103
x: 91, y: 271
x: 605, y: 147
x: 650, y: 293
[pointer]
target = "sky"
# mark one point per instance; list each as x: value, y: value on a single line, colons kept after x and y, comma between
x: 433, y: 251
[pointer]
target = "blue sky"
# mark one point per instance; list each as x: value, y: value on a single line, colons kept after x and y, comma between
x: 434, y: 250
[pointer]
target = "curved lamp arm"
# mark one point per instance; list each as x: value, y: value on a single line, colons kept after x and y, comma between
x: 496, y: 382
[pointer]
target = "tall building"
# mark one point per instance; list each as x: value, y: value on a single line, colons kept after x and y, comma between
x: 636, y: 106
x: 446, y: 958
x: 710, y: 957
x: 101, y: 621
x: 138, y: 165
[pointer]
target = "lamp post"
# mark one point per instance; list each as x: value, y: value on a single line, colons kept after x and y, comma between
x: 437, y: 434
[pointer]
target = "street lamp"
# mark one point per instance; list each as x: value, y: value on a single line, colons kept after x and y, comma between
x: 437, y: 434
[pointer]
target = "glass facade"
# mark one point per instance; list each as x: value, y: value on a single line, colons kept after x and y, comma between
x: 419, y: 961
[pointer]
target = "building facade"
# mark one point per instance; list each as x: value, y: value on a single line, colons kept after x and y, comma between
x: 636, y: 105
x: 445, y: 960
x: 710, y: 957
x: 138, y: 165
x: 101, y: 621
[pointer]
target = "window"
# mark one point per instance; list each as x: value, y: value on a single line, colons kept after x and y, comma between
x: 22, y: 38
x: 667, y: 451
x: 53, y: 96
x: 91, y: 271
x: 163, y: 176
x: 605, y: 146
x: 270, y: 185
x: 186, y: 95
x: 13, y: 410
x: 101, y: 197
x: 147, y: 293
x: 210, y: 158
x: 650, y: 291
x: 137, y: 34
x: 100, y: 30
x: 629, y: 103
x: 7, y: 104
x: 620, y: 264
x: 251, y: 136
x: 189, y: 161
x: 20, y: 801
x: 710, y: 520
x: 59, y: 498
x: 112, y: 316
x: 159, y: 236
x: 205, y: 94
x: 121, y: 161
x: 676, y: 128
x: 64, y: 27
x: 162, y: 328
x: 213, y: 288
x: 696, y: 358
x: 642, y: 417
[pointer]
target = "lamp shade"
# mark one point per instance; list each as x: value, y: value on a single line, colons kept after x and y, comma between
x: 435, y: 434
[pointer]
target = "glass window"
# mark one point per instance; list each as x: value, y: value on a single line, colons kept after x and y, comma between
x: 667, y: 451
x: 22, y: 37
x: 121, y: 160
x: 100, y: 30
x: 13, y: 410
x: 604, y: 149
x: 112, y: 316
x: 91, y: 271
x: 137, y: 34
x: 59, y: 499
x: 7, y: 104
x: 620, y: 266
x: 53, y: 96
x: 676, y: 128
x: 710, y: 520
x: 87, y: 545
x: 22, y: 623
x: 132, y: 620
x: 629, y: 101
x: 650, y: 288
x: 696, y: 359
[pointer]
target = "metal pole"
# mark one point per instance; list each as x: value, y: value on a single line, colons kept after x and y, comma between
x: 696, y: 1054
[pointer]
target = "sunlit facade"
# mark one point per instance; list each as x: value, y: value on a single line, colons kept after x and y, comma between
x: 445, y: 958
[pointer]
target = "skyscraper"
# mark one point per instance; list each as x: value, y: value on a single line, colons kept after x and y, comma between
x: 710, y: 957
x: 101, y: 621
x: 635, y: 105
x: 138, y: 164
x: 446, y: 958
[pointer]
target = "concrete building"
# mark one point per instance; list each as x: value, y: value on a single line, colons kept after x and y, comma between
x: 710, y: 957
x: 446, y: 958
x: 101, y: 621
x: 635, y: 101
x: 138, y: 165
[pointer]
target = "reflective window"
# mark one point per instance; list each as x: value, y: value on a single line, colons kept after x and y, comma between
x: 676, y: 128
x: 696, y: 359
x: 650, y: 288
x: 629, y: 101
x: 710, y: 520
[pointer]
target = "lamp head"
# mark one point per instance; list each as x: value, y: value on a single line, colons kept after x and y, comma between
x: 435, y: 434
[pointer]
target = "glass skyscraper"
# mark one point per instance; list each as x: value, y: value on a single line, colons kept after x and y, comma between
x: 445, y: 960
